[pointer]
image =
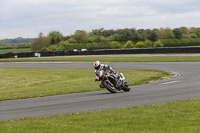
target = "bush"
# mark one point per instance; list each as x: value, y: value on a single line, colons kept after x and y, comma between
x: 158, y: 44
x: 194, y: 41
x: 72, y: 40
x: 140, y: 45
x: 91, y: 46
x: 193, y: 35
x: 45, y: 49
x: 129, y: 44
x: 23, y: 46
x: 115, y: 44
x: 180, y: 42
x: 114, y: 37
x: 7, y: 46
x: 53, y: 48
x: 149, y: 43
x: 63, y: 45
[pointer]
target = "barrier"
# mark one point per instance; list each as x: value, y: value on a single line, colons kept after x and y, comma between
x: 104, y: 52
x: 6, y: 55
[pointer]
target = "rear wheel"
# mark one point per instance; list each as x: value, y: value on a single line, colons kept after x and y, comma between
x: 109, y: 86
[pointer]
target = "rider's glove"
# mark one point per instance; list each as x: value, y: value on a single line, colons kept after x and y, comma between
x: 97, y: 78
x: 107, y: 67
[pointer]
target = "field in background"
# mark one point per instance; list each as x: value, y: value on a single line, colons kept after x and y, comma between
x: 2, y: 51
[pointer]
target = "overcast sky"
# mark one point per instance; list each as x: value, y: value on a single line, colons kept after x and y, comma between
x: 27, y: 18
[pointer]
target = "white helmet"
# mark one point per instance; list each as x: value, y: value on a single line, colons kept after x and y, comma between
x: 97, y: 65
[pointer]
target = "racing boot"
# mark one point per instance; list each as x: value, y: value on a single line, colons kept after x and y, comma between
x: 101, y: 86
x: 119, y: 84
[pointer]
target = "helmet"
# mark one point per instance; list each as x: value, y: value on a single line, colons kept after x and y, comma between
x: 97, y: 65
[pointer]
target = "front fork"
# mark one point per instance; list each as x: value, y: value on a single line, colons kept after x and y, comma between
x: 121, y: 80
x: 121, y: 77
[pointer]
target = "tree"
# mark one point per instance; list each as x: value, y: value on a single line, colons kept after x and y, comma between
x: 39, y: 43
x: 55, y: 37
x: 165, y: 33
x: 80, y: 36
x: 193, y: 35
x: 115, y: 37
x: 198, y: 31
x: 98, y: 32
x: 194, y: 30
x: 177, y: 32
x: 102, y: 42
x: 63, y: 45
x: 141, y: 35
x: 129, y: 44
x: 107, y: 33
x: 72, y: 40
x: 152, y: 35
x: 184, y: 30
x: 125, y: 34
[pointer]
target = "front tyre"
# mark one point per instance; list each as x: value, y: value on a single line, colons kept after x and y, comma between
x: 126, y: 87
x: 109, y: 86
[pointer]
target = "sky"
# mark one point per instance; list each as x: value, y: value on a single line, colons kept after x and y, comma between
x: 27, y: 18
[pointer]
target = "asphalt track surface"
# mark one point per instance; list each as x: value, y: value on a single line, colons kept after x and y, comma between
x: 185, y: 85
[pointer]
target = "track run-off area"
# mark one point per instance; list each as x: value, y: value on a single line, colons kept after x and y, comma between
x: 185, y: 85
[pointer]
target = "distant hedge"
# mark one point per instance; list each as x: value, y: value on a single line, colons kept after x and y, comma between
x: 180, y: 42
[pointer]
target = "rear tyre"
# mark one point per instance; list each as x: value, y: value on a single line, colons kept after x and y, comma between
x: 126, y: 87
x: 110, y: 87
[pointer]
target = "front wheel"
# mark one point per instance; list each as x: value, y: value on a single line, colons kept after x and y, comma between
x: 109, y: 86
x: 126, y: 87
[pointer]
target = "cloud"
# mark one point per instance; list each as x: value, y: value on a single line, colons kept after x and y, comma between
x: 29, y: 17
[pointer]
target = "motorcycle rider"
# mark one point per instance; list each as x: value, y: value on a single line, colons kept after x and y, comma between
x: 98, y: 67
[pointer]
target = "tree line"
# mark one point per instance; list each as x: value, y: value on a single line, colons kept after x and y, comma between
x: 119, y: 38
x: 16, y: 41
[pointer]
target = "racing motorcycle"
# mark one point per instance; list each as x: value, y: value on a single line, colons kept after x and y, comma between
x: 112, y: 81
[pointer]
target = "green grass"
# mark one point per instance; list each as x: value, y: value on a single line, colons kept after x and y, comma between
x: 110, y: 59
x: 2, y: 51
x: 174, y: 117
x: 19, y: 83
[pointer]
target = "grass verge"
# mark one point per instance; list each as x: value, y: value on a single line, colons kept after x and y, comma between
x: 19, y: 83
x: 179, y: 117
x: 110, y: 59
